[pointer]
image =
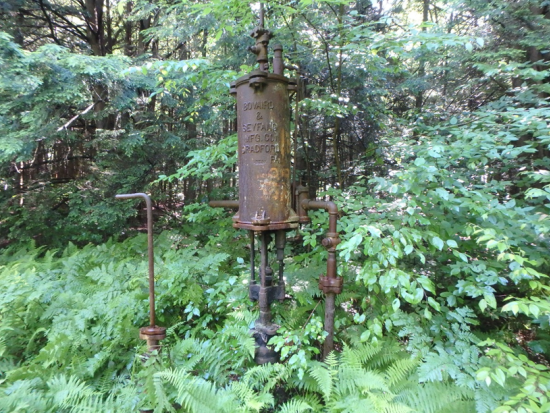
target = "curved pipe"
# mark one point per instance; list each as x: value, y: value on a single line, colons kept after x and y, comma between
x: 330, y: 284
x: 332, y: 239
x: 150, y: 248
x: 328, y: 206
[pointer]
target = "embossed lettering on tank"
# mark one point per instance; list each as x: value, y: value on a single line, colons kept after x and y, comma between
x: 260, y: 133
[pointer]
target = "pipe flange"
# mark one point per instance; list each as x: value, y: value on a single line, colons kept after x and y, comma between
x: 257, y: 78
x: 331, y: 242
x: 261, y: 34
x: 267, y: 329
x: 152, y: 333
x: 331, y: 285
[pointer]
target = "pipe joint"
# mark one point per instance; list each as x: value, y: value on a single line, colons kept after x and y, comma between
x: 331, y: 241
x: 331, y: 285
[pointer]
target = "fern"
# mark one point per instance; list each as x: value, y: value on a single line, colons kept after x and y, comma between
x: 352, y: 382
x: 194, y: 394
x: 295, y: 406
x: 71, y: 318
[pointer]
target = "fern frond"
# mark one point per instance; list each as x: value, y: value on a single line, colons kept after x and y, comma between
x: 323, y: 376
x: 360, y: 355
x: 400, y: 370
x: 437, y: 367
x: 463, y: 406
x: 295, y: 406
x: 199, y: 396
x: 352, y: 380
x: 435, y: 397
x: 250, y: 399
x: 267, y: 376
x: 161, y: 401
x: 397, y: 408
x: 68, y: 392
x: 24, y: 396
x: 194, y: 394
x: 2, y: 345
x: 352, y: 404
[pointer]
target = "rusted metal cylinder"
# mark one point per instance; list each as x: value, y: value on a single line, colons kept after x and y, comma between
x: 330, y: 309
x: 263, y: 121
x: 278, y: 64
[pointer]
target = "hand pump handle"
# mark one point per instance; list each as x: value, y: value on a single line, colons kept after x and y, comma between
x: 147, y: 199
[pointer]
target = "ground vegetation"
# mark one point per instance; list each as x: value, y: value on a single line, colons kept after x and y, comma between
x: 426, y: 121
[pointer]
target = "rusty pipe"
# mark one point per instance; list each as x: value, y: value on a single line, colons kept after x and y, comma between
x: 224, y: 204
x: 150, y: 250
x: 328, y: 206
x: 153, y: 333
x: 262, y: 15
x: 332, y: 239
x: 330, y: 284
x: 278, y: 64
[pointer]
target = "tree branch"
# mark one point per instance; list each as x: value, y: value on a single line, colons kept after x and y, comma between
x: 65, y: 126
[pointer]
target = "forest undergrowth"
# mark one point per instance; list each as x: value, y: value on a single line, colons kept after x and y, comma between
x: 427, y: 122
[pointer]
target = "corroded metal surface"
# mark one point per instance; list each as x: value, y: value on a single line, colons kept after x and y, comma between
x: 264, y: 328
x: 263, y: 121
x: 330, y: 283
x: 153, y: 333
x: 224, y: 204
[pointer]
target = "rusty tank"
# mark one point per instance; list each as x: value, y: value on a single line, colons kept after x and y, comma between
x: 263, y: 122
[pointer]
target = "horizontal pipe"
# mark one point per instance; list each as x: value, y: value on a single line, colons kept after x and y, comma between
x: 328, y: 206
x: 224, y: 204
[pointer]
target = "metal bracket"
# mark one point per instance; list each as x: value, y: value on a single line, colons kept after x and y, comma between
x: 274, y: 292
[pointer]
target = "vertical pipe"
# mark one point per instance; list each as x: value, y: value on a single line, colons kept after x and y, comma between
x: 280, y: 239
x: 152, y: 316
x: 265, y: 315
x: 252, y: 258
x: 330, y: 284
x: 262, y: 15
x: 330, y: 308
x: 147, y: 199
x: 278, y: 64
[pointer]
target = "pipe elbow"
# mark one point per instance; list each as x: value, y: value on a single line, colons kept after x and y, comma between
x: 328, y: 206
x: 331, y: 208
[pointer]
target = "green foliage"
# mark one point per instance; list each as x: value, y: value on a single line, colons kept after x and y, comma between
x: 382, y: 378
x: 433, y: 130
x: 69, y: 321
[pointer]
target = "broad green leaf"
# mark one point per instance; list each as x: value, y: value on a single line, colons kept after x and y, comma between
x: 438, y: 243
x: 452, y: 243
x: 396, y: 304
x: 490, y: 299
x: 482, y: 305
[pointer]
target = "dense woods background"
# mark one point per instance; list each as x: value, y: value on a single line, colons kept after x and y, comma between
x: 426, y: 121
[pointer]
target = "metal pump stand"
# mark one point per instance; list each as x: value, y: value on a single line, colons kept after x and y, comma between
x: 265, y: 190
x: 152, y: 333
